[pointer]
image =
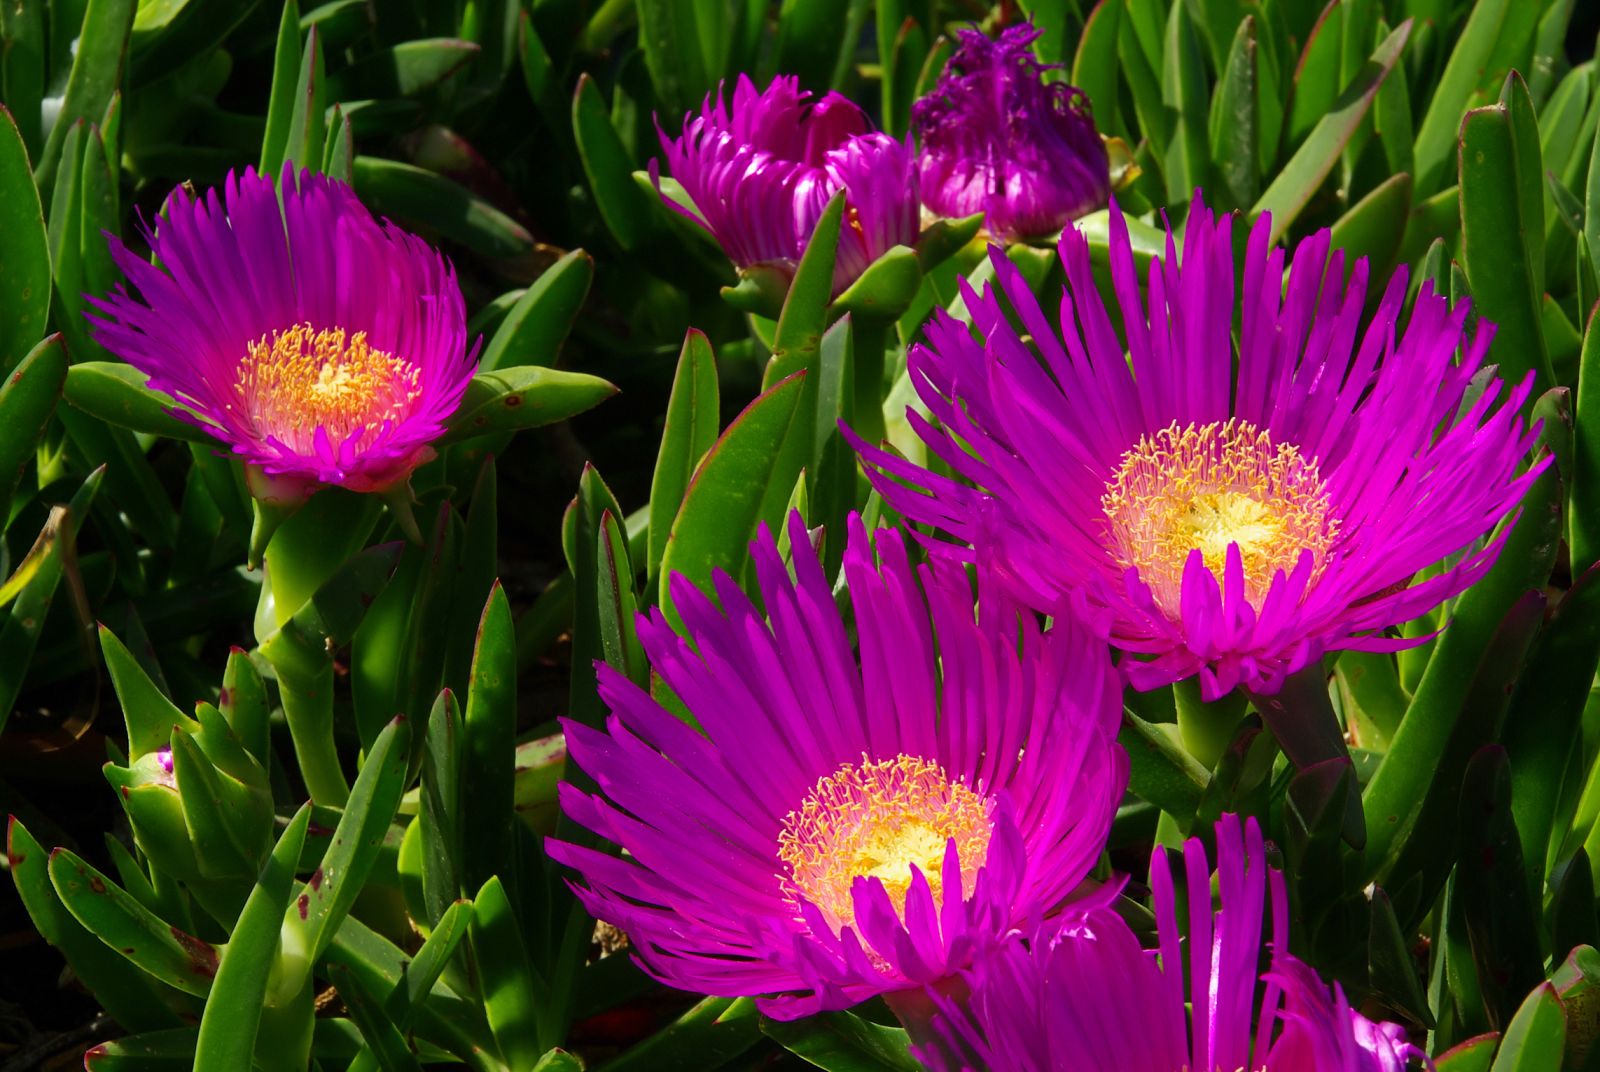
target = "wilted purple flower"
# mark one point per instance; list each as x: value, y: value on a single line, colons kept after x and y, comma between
x: 847, y: 824
x: 1086, y: 997
x: 322, y: 346
x: 761, y: 171
x: 1234, y: 525
x: 997, y: 139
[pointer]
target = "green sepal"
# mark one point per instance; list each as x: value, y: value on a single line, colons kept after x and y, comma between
x: 943, y: 239
x: 760, y: 290
x: 885, y: 290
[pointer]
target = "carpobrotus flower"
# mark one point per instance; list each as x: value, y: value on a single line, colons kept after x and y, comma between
x: 761, y: 171
x: 846, y: 825
x: 1231, y: 525
x: 322, y: 346
x: 997, y: 139
x: 1087, y: 998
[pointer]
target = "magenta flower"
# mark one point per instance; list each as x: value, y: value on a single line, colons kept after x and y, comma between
x: 761, y: 171
x: 1087, y: 998
x: 997, y: 139
x: 1234, y: 525
x: 846, y: 824
x: 322, y: 346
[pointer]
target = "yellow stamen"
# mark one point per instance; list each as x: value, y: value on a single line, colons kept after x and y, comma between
x: 875, y: 819
x: 1209, y: 486
x: 301, y: 379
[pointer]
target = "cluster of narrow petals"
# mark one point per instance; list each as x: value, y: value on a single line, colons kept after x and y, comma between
x: 848, y: 819
x: 761, y: 168
x: 1085, y: 995
x: 321, y: 345
x: 1220, y: 511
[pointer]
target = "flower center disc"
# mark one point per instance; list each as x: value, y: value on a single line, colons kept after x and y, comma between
x: 1209, y: 486
x: 300, y: 379
x: 875, y: 819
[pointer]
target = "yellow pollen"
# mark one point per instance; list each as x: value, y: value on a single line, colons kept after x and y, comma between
x: 1207, y: 487
x: 299, y: 379
x: 875, y: 819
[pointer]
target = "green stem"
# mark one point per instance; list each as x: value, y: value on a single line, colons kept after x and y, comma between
x: 307, y: 694
x: 1207, y: 728
x: 915, y: 1009
x: 284, y: 1039
x: 1301, y: 716
x: 870, y: 340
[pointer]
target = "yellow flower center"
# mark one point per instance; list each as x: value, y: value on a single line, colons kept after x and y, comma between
x: 875, y: 819
x: 300, y: 379
x: 1208, y: 487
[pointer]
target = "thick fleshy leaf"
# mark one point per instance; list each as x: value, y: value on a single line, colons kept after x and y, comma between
x: 580, y: 537
x: 1391, y: 969
x: 509, y: 1001
x: 233, y: 1010
x: 804, y: 313
x: 617, y: 603
x: 1183, y: 92
x: 689, y: 431
x: 610, y: 170
x: 380, y: 1034
x: 28, y: 396
x: 1469, y: 65
x: 1536, y: 1036
x: 316, y: 914
x: 843, y: 1042
x: 1502, y: 231
x: 1545, y: 720
x: 817, y: 40
x: 404, y: 70
x: 743, y: 480
x: 1421, y: 862
x: 1376, y: 225
x: 524, y: 396
x: 1499, y: 911
x: 1161, y: 771
x: 115, y: 917
x: 713, y: 1032
x: 97, y: 60
x: 534, y: 328
x: 489, y: 739
x: 1094, y: 65
x: 1300, y: 178
x: 24, y: 248
x: 1583, y: 532
x: 1473, y: 1055
x: 410, y: 193
x: 20, y: 628
x: 1234, y: 127
x: 1396, y: 792
x: 131, y: 995
x: 115, y: 392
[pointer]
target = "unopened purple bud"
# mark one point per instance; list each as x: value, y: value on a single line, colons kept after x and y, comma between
x: 997, y: 139
x: 761, y: 167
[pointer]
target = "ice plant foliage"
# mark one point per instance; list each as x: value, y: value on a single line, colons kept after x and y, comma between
x: 1229, y: 524
x: 761, y: 168
x: 850, y: 821
x: 997, y: 139
x: 1084, y: 996
x: 323, y: 346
